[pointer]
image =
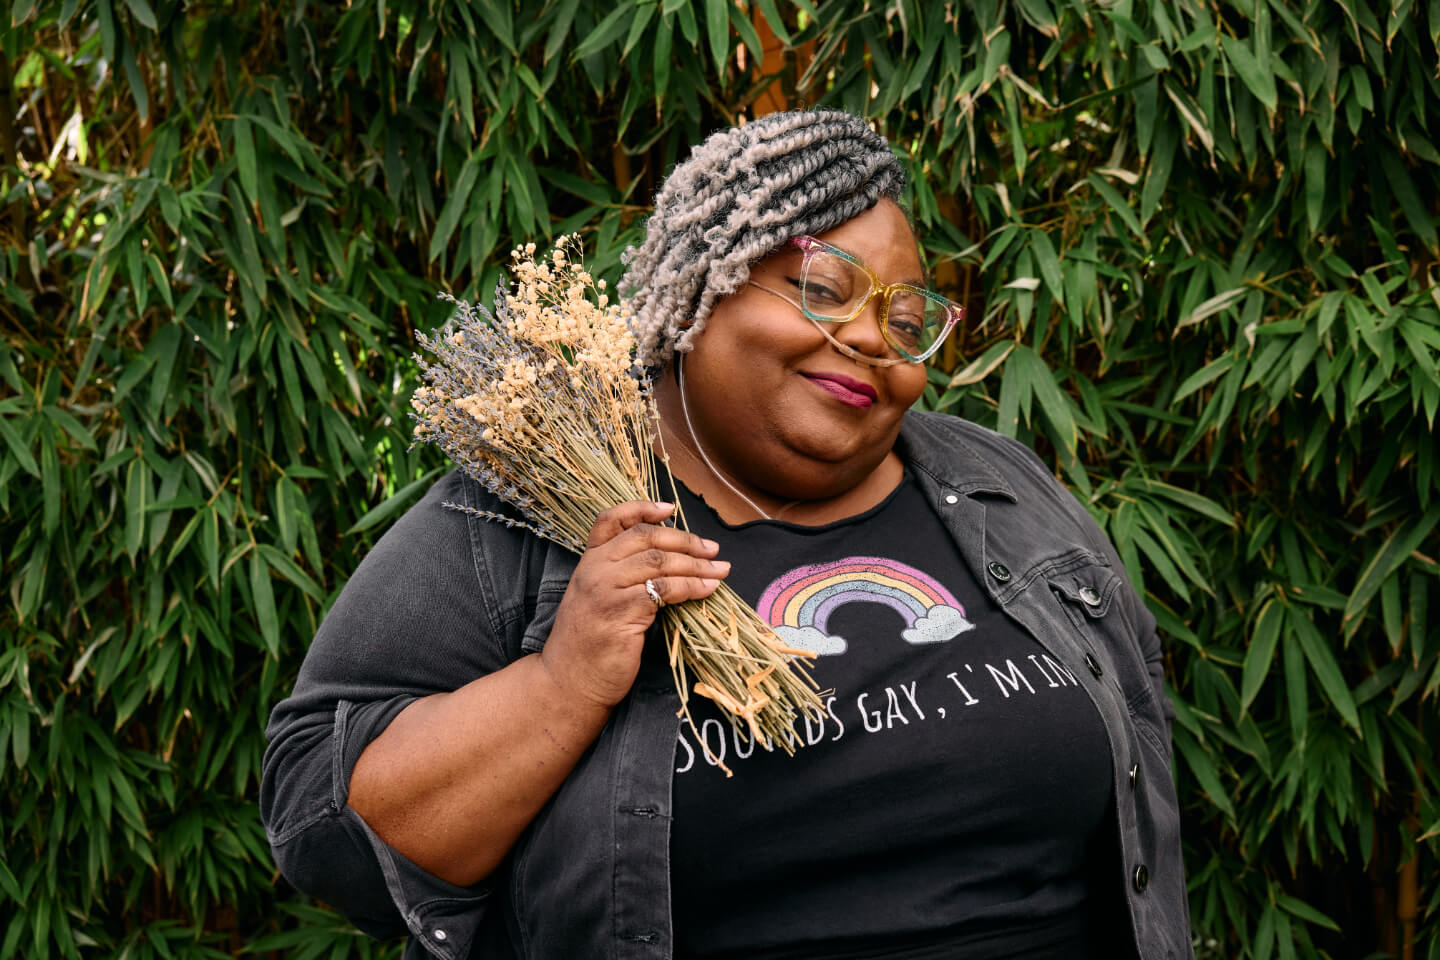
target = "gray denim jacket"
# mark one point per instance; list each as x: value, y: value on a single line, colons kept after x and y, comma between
x: 444, y: 598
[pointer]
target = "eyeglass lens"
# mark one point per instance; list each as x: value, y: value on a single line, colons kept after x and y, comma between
x: 834, y: 287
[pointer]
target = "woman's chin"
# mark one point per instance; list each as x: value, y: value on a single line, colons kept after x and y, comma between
x: 819, y: 469
x: 837, y: 441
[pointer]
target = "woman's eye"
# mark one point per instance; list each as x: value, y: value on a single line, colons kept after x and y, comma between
x: 905, y: 329
x: 823, y: 292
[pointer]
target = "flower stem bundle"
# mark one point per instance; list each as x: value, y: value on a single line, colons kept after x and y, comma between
x: 541, y: 404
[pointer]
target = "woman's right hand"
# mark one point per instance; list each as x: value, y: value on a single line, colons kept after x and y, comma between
x: 593, y: 651
x: 458, y: 776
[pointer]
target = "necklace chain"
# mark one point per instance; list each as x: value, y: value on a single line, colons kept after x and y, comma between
x: 695, y: 441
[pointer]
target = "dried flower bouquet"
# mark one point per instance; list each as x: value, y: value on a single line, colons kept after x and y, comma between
x: 541, y: 404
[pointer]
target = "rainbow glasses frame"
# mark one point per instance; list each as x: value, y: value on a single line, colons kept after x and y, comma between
x: 810, y: 246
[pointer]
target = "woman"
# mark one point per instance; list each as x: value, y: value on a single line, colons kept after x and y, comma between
x: 482, y: 748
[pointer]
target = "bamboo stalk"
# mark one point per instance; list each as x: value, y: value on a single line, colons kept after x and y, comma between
x: 1407, y: 905
x: 1407, y: 894
x: 9, y: 152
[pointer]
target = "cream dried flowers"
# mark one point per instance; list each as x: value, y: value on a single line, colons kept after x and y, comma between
x: 542, y: 404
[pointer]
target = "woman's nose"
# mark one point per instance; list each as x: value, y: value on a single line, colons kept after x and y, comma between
x: 863, y: 334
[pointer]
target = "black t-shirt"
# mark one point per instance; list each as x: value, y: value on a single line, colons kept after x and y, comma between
x: 950, y: 803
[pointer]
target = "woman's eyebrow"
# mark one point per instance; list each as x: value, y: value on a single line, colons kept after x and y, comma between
x: 923, y: 281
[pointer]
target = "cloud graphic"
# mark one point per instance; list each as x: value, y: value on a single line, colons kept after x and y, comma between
x: 808, y: 638
x: 939, y: 624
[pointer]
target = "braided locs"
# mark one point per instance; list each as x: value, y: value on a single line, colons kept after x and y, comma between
x: 740, y: 195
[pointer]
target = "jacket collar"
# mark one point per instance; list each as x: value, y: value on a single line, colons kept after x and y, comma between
x: 933, y: 445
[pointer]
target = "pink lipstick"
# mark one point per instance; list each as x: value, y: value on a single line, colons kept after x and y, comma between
x: 847, y: 390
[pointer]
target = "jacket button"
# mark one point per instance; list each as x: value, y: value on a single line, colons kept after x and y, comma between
x: 951, y: 498
x: 1093, y: 664
x: 1142, y: 878
x: 1089, y: 597
x: 1134, y: 775
x: 999, y: 571
x: 441, y: 934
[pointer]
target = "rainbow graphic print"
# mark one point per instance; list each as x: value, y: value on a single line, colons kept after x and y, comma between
x: 799, y: 603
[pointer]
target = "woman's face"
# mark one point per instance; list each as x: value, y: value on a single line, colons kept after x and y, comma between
x: 775, y: 405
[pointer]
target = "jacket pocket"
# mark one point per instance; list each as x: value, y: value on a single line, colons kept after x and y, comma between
x: 537, y: 631
x: 1092, y: 599
x: 554, y: 577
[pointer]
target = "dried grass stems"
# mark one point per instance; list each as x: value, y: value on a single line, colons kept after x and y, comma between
x: 542, y: 404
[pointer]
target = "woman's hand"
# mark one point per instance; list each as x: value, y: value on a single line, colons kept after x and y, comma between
x: 593, y: 651
x: 458, y: 776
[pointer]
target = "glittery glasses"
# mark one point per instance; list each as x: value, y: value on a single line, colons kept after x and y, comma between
x: 829, y: 286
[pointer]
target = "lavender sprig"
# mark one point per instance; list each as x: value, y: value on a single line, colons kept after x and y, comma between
x: 541, y: 403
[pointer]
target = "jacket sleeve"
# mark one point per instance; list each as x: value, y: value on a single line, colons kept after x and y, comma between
x: 419, y: 616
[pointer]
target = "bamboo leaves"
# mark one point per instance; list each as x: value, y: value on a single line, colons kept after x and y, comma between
x: 1261, y: 650
x: 607, y: 31
x: 455, y: 205
x: 1201, y: 765
x: 137, y: 498
x: 1253, y: 73
x: 19, y: 450
x: 1321, y: 657
x: 1382, y: 565
x: 391, y: 506
x: 1196, y: 248
x: 717, y: 28
x: 1119, y: 205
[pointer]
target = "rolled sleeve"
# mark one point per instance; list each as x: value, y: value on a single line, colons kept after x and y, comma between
x: 324, y: 847
x: 412, y: 621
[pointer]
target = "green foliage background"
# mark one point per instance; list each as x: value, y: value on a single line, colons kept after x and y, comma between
x: 1197, y: 242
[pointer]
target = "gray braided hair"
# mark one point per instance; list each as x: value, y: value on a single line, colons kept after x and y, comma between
x: 740, y: 195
